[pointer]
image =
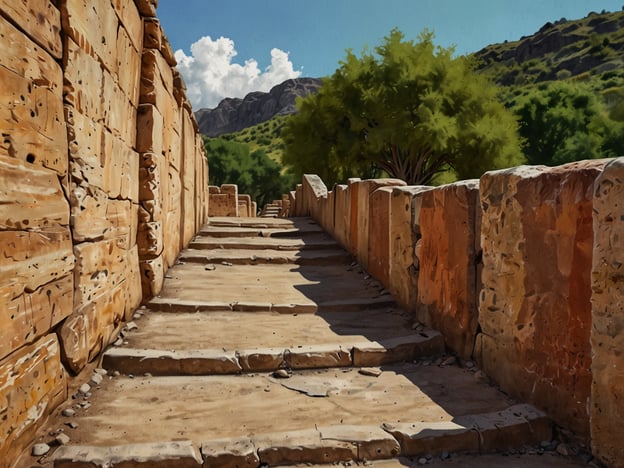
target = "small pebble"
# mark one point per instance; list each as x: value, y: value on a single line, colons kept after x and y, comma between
x: 96, y: 379
x: 422, y: 461
x: 100, y: 371
x: 69, y: 412
x: 445, y: 455
x: 40, y: 449
x: 118, y: 342
x: 281, y: 374
x: 62, y: 439
x: 469, y: 364
x: 72, y: 424
x: 136, y: 316
x: 131, y: 326
x: 116, y: 373
x: 370, y: 371
x: 449, y: 361
x: 85, y: 388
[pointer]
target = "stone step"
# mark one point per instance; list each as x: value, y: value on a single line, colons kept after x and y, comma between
x: 324, y: 416
x: 311, y: 242
x: 291, y: 288
x: 257, y: 223
x: 233, y: 342
x: 266, y: 256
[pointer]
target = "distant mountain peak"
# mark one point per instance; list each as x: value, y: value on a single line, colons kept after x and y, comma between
x: 234, y: 114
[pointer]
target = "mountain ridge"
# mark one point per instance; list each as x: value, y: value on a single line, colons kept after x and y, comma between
x: 234, y: 114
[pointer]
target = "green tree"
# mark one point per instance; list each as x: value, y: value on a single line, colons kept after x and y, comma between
x: 410, y: 110
x: 562, y: 122
x: 254, y: 172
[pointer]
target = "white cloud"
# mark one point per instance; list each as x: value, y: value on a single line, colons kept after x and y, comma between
x: 210, y: 75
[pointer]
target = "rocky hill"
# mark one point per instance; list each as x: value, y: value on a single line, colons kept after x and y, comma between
x: 233, y: 114
x: 559, y: 50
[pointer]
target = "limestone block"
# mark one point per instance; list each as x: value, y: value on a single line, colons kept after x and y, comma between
x: 167, y: 51
x: 133, y: 283
x: 171, y: 226
x: 152, y: 33
x: 100, y: 267
x: 607, y: 340
x: 534, y: 309
x: 150, y: 127
x: 121, y: 168
x: 83, y: 82
x: 130, y: 18
x: 150, y: 240
x: 447, y: 294
x: 31, y: 109
x: 21, y: 55
x: 152, y: 277
x: 86, y: 332
x: 313, y: 189
x: 341, y: 214
x: 172, y: 142
x: 379, y: 235
x: 120, y: 117
x: 89, y: 206
x: 32, y: 259
x: 40, y: 19
x: 92, y: 24
x: 147, y: 7
x: 85, y: 149
x: 300, y: 202
x: 31, y: 196
x: 403, y: 237
x: 223, y: 453
x: 28, y: 315
x: 124, y: 219
x: 156, y: 80
x: 128, y: 68
x: 360, y: 191
x: 32, y: 384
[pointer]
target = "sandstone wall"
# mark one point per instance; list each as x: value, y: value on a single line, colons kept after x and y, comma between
x: 514, y: 269
x: 102, y: 180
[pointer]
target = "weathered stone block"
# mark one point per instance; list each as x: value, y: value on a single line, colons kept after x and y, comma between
x: 152, y: 34
x: 32, y: 384
x: 150, y: 127
x: 85, y: 148
x: 128, y: 68
x: 120, y: 116
x: 535, y: 309
x: 150, y: 240
x: 121, y: 169
x: 447, y: 294
x: 152, y: 277
x: 40, y: 19
x: 86, y: 332
x: 147, y: 7
x: 124, y: 219
x: 607, y: 338
x: 83, y: 81
x: 32, y: 259
x: 379, y: 235
x: 341, y: 214
x: 404, y: 235
x: 156, y: 81
x: 96, y: 37
x: 313, y: 189
x: 31, y: 196
x: 130, y: 18
x: 31, y: 114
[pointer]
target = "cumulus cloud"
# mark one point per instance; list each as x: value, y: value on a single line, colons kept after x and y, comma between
x: 210, y: 75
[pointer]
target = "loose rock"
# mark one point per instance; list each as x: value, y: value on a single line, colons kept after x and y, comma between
x: 96, y: 379
x: 281, y: 374
x: 85, y: 388
x: 449, y: 361
x: 422, y: 461
x: 370, y: 371
x: 62, y: 439
x: 40, y: 449
x: 562, y: 449
x: 69, y: 412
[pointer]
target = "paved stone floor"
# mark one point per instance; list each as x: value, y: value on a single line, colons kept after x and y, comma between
x: 269, y: 345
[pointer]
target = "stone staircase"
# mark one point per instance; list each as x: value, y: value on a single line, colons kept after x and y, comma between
x: 270, y: 346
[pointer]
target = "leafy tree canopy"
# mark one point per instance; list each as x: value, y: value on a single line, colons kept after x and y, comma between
x: 254, y: 172
x: 565, y: 121
x: 409, y: 109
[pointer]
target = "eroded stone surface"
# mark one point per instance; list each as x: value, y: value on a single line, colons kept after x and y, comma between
x: 534, y: 310
x: 447, y: 277
x: 607, y: 339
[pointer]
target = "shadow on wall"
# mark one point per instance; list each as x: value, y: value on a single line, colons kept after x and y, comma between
x: 515, y: 270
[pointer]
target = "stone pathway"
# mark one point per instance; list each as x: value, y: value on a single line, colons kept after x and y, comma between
x: 269, y: 346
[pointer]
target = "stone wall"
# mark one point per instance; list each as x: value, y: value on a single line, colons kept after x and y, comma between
x: 103, y: 180
x: 226, y: 201
x: 520, y: 270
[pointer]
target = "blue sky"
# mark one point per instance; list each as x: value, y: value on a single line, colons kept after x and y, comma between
x: 264, y: 42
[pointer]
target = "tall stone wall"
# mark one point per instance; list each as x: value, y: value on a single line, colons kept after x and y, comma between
x: 103, y: 180
x: 520, y: 270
